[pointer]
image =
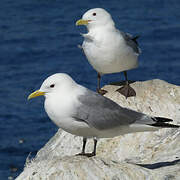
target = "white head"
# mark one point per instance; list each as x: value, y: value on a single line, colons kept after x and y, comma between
x: 56, y: 83
x: 96, y: 17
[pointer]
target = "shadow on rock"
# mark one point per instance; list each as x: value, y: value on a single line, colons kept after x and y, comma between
x: 121, y: 83
x: 159, y: 164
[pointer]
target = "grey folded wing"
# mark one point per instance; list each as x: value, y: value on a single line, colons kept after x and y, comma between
x: 102, y: 113
x: 131, y: 41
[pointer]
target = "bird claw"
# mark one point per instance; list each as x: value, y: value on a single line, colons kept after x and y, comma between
x: 101, y: 91
x: 127, y: 91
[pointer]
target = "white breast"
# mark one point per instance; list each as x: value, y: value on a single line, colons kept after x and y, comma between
x: 61, y: 108
x: 108, y: 53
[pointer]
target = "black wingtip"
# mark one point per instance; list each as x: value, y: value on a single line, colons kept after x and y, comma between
x: 162, y: 119
x: 135, y: 39
x: 162, y: 122
x: 165, y: 125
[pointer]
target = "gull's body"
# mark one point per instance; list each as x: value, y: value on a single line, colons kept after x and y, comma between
x: 107, y: 49
x: 108, y: 52
x: 85, y: 113
x: 75, y: 111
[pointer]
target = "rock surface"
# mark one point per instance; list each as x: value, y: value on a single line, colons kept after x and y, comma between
x: 149, y: 155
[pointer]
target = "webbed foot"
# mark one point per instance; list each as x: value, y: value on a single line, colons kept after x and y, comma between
x: 127, y: 91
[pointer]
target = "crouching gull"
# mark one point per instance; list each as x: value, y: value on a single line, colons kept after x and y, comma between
x: 107, y: 49
x: 85, y: 113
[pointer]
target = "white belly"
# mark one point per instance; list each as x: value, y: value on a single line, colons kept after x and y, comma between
x: 110, y: 58
x: 89, y: 132
x: 64, y: 120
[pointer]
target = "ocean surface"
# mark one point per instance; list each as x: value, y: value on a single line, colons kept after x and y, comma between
x: 39, y: 38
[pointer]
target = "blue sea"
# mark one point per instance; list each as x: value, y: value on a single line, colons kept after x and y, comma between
x: 39, y: 38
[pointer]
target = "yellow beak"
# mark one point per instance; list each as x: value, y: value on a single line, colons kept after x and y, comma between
x: 82, y: 22
x: 35, y: 94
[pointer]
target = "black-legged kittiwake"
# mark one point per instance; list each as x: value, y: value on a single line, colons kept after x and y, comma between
x: 85, y: 113
x: 107, y: 49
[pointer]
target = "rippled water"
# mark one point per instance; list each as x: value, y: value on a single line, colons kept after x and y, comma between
x: 39, y: 38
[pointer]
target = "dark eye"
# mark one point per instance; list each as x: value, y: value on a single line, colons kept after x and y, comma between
x: 52, y: 85
x: 94, y: 14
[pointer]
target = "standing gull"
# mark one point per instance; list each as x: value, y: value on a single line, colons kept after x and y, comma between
x: 107, y: 49
x: 85, y: 113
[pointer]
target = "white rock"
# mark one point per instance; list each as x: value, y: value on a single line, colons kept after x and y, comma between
x: 149, y: 155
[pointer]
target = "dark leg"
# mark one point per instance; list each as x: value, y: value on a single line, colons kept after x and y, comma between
x: 95, y: 144
x: 100, y: 91
x: 84, y: 146
x: 125, y: 75
x: 98, y: 81
x: 83, y: 149
x: 94, y: 150
x: 126, y: 90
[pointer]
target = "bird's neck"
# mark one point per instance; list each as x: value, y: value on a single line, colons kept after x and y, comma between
x: 100, y: 29
x: 97, y: 33
x: 105, y: 28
